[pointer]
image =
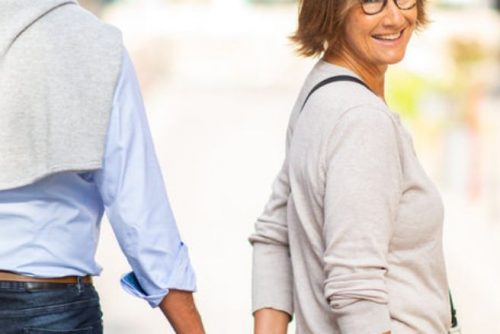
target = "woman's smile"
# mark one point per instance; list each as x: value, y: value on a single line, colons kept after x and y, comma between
x: 389, y: 37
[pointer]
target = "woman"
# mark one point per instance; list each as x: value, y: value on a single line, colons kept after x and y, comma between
x: 351, y: 238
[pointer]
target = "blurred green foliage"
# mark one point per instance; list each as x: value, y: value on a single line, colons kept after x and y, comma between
x: 405, y: 90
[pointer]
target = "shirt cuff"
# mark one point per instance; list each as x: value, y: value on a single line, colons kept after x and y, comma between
x: 180, y: 277
x: 363, y: 317
x: 272, y: 278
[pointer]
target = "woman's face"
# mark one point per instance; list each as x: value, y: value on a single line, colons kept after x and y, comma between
x: 380, y: 39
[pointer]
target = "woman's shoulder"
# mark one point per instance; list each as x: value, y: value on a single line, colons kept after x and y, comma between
x: 334, y: 99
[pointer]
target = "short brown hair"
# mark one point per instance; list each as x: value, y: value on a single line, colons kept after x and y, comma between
x: 321, y: 24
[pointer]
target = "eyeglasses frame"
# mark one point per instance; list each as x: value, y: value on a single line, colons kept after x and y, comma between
x: 385, y: 4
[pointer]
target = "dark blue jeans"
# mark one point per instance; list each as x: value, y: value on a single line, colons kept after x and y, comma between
x: 72, y: 309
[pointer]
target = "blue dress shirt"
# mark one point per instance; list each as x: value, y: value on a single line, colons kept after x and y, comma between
x: 51, y: 228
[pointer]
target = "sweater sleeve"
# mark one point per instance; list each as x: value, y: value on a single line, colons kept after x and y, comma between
x: 362, y: 189
x: 272, y: 283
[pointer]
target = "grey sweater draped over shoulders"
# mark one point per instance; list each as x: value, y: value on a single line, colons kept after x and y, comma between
x: 58, y: 69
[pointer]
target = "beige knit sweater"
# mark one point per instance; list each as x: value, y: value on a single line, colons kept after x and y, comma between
x: 350, y: 241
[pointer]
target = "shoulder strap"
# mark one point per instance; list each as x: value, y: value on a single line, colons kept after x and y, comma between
x: 329, y: 81
x: 454, y: 321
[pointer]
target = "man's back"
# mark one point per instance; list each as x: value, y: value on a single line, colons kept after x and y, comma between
x: 74, y: 142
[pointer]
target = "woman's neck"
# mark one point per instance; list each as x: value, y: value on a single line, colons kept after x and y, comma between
x: 372, y: 75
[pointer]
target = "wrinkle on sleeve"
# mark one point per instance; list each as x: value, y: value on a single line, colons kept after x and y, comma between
x: 134, y: 196
x: 363, y: 188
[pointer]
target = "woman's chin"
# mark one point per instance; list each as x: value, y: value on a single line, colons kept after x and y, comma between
x: 392, y: 59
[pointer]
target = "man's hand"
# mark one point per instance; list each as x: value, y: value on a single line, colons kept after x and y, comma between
x: 179, y: 308
x: 271, y: 321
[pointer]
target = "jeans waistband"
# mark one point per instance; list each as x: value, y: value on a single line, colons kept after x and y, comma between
x: 14, y: 277
x: 37, y: 286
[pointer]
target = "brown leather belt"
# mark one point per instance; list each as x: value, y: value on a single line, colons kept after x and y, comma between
x: 11, y: 277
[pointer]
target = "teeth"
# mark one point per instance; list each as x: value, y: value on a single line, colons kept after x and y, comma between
x: 389, y: 37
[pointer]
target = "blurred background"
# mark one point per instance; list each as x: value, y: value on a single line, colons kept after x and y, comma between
x: 220, y: 77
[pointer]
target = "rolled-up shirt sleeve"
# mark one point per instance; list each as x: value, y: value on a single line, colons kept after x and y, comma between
x: 363, y: 188
x: 136, y: 202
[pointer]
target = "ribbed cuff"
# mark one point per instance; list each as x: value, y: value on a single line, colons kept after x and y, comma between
x: 272, y: 283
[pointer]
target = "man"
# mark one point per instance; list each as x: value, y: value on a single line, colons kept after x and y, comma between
x: 74, y: 142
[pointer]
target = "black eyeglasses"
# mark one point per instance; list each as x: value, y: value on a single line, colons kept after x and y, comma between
x: 372, y: 7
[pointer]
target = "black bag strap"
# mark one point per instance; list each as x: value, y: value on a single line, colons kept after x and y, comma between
x: 454, y: 321
x: 331, y: 80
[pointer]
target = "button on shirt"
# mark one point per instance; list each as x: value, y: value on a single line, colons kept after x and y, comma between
x: 51, y: 228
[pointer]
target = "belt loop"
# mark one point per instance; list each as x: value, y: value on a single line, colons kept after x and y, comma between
x: 79, y: 284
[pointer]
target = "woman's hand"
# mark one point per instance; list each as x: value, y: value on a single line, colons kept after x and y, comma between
x: 270, y: 321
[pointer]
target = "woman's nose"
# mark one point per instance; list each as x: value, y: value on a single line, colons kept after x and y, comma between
x: 392, y: 14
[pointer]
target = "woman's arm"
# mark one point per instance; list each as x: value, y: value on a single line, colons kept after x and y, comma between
x: 272, y: 277
x: 362, y: 192
x: 270, y: 321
